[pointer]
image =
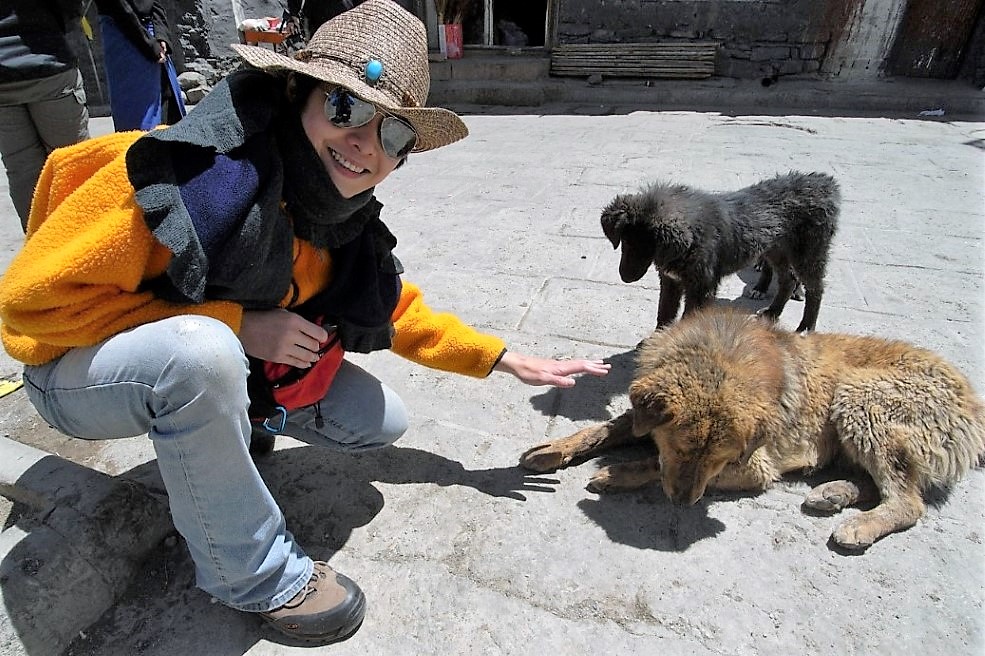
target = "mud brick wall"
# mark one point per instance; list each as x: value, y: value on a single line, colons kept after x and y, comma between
x: 760, y: 38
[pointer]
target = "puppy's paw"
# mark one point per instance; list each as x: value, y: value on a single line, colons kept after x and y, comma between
x: 754, y: 294
x: 832, y: 497
x: 545, y: 458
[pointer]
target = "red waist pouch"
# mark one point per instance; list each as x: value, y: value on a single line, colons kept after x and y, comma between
x: 292, y: 387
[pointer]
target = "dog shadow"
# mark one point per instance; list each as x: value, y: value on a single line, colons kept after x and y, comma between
x: 592, y: 396
x: 661, y: 526
x: 647, y: 519
x: 743, y: 303
x: 749, y: 277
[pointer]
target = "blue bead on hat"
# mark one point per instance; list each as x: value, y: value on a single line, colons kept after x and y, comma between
x: 373, y: 72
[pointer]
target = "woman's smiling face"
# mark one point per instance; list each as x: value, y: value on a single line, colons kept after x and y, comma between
x: 353, y: 157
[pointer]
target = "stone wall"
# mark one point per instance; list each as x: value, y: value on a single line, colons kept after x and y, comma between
x: 759, y: 38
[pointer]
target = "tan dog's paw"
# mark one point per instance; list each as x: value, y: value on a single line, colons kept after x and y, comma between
x: 858, y: 533
x: 545, y: 457
x: 627, y: 476
x: 833, y: 496
x: 602, y: 481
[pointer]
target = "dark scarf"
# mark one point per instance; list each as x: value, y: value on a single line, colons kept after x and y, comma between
x: 320, y: 214
x: 211, y: 188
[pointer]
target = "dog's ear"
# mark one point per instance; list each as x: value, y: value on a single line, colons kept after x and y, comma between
x: 751, y: 446
x: 650, y: 408
x: 752, y: 437
x: 613, y: 222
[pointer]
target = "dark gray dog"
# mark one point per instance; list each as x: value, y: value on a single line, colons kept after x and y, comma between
x: 694, y: 239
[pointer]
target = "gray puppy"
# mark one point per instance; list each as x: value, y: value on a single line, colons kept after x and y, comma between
x: 695, y: 238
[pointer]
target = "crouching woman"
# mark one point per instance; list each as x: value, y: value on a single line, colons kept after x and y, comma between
x: 157, y: 267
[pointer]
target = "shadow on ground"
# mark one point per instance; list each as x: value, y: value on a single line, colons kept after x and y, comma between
x: 325, y: 496
x: 648, y: 520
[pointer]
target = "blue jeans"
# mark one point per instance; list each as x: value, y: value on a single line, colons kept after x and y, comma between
x: 183, y: 382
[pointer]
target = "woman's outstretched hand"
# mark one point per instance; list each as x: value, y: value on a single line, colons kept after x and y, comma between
x: 543, y: 371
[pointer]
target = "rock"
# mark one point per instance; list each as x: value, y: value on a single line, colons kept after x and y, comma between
x: 204, y: 68
x: 194, y: 96
x: 192, y: 79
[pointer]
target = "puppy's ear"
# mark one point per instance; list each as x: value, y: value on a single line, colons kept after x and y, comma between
x: 613, y: 223
x: 650, y: 408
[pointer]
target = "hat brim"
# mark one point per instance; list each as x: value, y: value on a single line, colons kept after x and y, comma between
x: 435, y: 126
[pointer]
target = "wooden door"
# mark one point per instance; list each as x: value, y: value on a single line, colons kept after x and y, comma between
x: 933, y: 38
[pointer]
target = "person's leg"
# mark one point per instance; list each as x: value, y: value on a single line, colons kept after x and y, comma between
x: 36, y: 117
x: 23, y: 156
x: 134, y: 81
x: 183, y: 382
x: 359, y: 412
x: 62, y: 119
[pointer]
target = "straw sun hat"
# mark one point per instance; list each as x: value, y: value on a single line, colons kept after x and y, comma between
x: 376, y: 39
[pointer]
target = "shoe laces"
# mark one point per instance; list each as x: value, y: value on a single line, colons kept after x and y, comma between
x: 311, y: 587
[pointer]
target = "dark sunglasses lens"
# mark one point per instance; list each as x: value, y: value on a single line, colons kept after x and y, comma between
x: 347, y: 111
x: 397, y: 137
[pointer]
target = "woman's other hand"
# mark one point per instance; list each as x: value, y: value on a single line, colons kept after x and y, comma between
x: 543, y: 371
x: 281, y: 336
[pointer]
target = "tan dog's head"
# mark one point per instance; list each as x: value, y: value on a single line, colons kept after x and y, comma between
x: 703, y: 411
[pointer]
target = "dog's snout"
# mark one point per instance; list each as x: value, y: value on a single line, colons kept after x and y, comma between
x: 681, y: 497
x: 693, y: 496
x: 684, y: 484
x: 685, y: 496
x: 630, y: 270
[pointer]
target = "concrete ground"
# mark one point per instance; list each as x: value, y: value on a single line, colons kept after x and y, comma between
x: 461, y: 552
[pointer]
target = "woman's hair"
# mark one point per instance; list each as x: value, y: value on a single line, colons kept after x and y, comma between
x: 299, y: 87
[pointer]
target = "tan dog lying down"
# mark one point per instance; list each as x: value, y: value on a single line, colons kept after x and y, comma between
x: 733, y: 403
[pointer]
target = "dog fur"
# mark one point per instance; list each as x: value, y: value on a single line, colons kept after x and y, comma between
x: 694, y: 239
x: 732, y: 403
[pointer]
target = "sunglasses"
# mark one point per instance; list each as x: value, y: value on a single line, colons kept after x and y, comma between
x: 345, y: 110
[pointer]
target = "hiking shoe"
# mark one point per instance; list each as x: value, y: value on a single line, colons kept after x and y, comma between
x: 328, y: 609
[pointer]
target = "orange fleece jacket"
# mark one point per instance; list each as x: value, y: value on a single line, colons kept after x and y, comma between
x: 75, y: 282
